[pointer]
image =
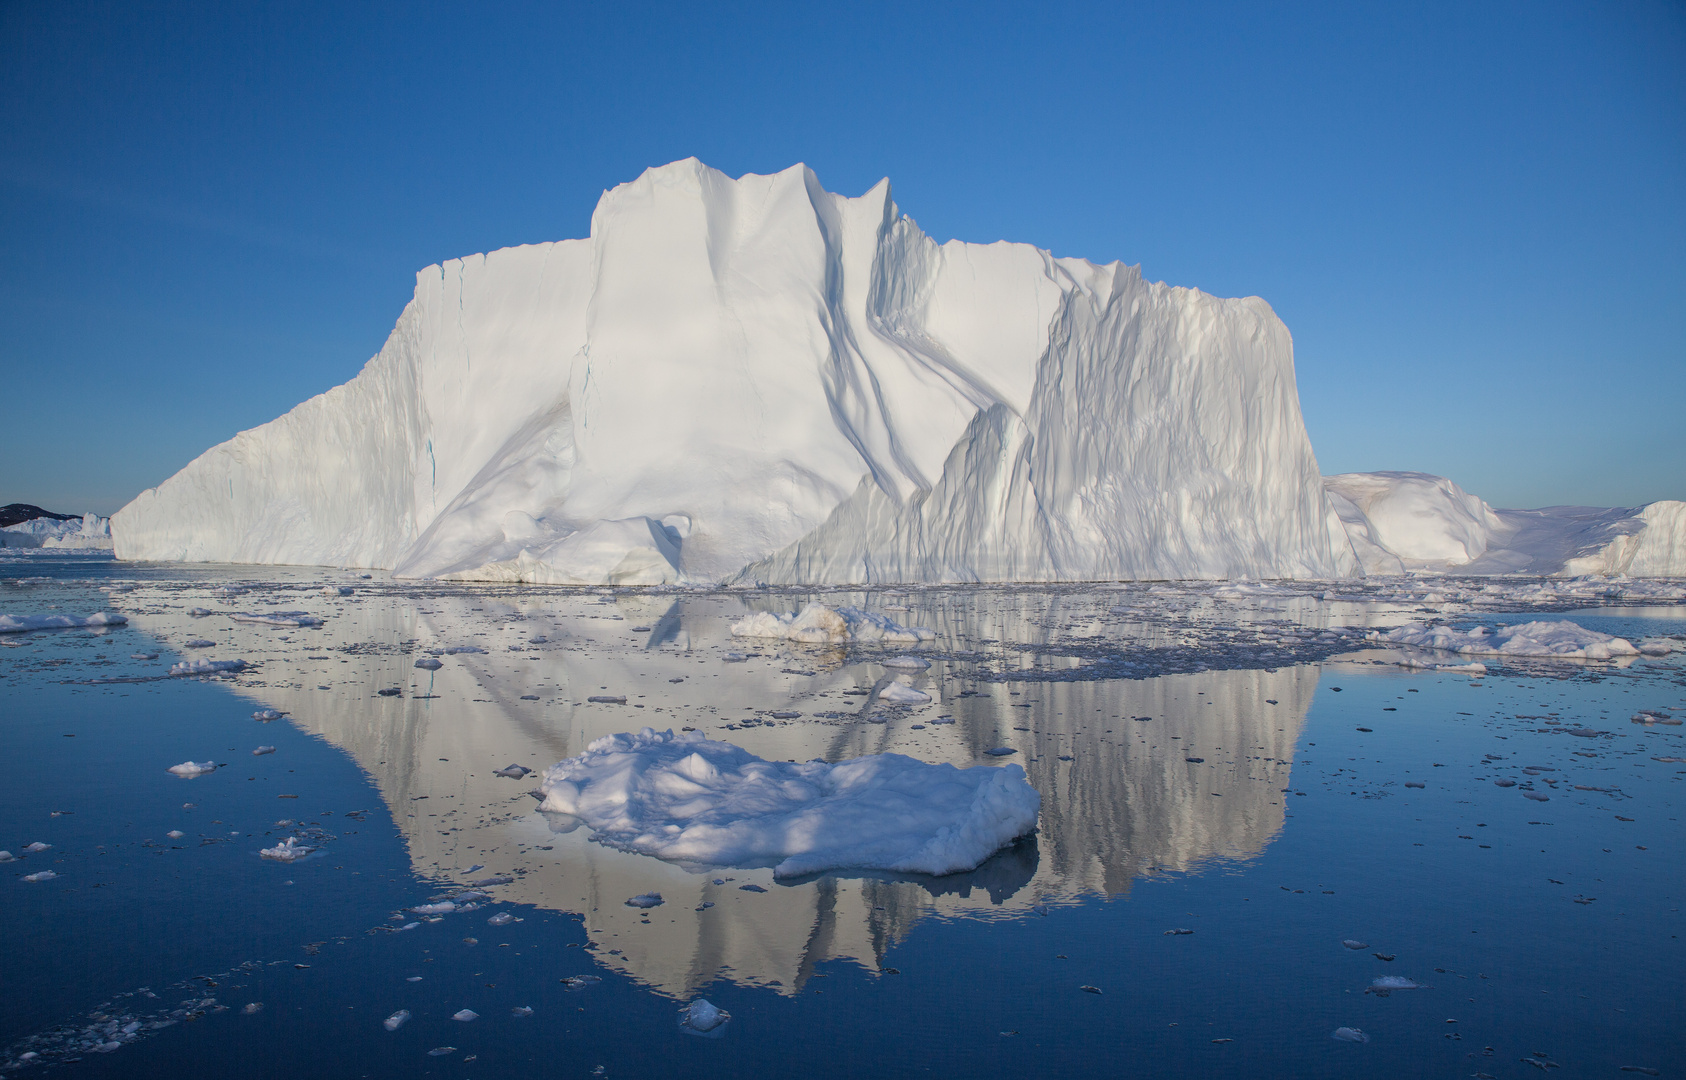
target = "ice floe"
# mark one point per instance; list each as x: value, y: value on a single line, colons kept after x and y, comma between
x: 189, y: 769
x: 206, y: 667
x: 1558, y: 639
x: 16, y: 624
x: 696, y: 801
x: 289, y: 850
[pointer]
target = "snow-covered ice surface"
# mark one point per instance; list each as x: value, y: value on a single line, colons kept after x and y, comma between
x: 703, y: 803
x: 598, y: 410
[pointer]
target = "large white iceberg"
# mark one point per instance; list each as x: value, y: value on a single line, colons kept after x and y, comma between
x: 1399, y: 521
x: 702, y: 803
x: 756, y: 379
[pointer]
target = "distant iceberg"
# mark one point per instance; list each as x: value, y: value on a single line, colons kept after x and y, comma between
x: 87, y: 531
x: 703, y: 803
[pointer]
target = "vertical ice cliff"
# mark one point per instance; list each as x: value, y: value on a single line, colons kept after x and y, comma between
x: 755, y: 379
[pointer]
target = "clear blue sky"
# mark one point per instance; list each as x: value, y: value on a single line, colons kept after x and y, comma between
x: 1472, y: 216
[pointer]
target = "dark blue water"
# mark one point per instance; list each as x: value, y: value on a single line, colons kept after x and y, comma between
x: 1537, y: 930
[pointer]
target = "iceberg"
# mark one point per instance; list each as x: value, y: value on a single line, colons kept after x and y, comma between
x: 51, y: 531
x: 1407, y: 521
x: 757, y: 380
x: 702, y: 803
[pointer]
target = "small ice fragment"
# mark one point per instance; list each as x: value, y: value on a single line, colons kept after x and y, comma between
x: 521, y: 1011
x: 607, y: 699
x: 143, y: 656
x: 734, y: 658
x: 266, y: 715
x: 1089, y: 989
x: 514, y: 772
x: 1354, y: 944
x: 1393, y: 982
x: 200, y: 643
x: 441, y: 1051
x: 1414, y: 783
x: 580, y: 982
x: 414, y: 978
x: 443, y: 907
x: 911, y: 663
x: 428, y: 663
x: 38, y: 846
x: 189, y: 769
x: 206, y: 667
x: 262, y: 750
x: 500, y: 879
x: 502, y: 918
x: 1194, y: 760
x: 751, y: 888
x: 1001, y: 751
x: 410, y: 926
x: 700, y: 1016
x: 465, y: 1015
x: 396, y: 1020
x: 6, y: 856
x: 1349, y: 1034
x: 288, y: 850
x: 1178, y: 931
x: 252, y: 1007
x: 1504, y: 783
x: 645, y: 900
x: 175, y: 834
x: 1537, y: 796
x: 41, y: 875
x: 900, y: 694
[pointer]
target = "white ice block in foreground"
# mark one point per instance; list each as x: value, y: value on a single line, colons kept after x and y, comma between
x: 1562, y: 640
x: 703, y: 803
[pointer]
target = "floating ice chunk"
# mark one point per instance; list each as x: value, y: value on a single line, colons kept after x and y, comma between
x: 175, y: 834
x: 702, y: 1018
x: 17, y: 624
x: 1349, y: 1034
x: 266, y: 715
x: 190, y: 769
x: 199, y: 612
x: 337, y: 590
x: 1537, y: 796
x: 38, y: 846
x: 521, y: 1011
x: 200, y: 643
x: 607, y: 699
x: 901, y: 694
x: 911, y: 663
x: 443, y: 907
x: 428, y: 663
x: 465, y: 1015
x: 1658, y: 646
x: 396, y: 1020
x: 262, y: 750
x: 514, y: 772
x: 1562, y: 640
x: 1394, y: 982
x: 288, y: 850
x: 1353, y: 943
x: 143, y: 656
x: 40, y: 875
x: 692, y: 800
x: 276, y: 618
x: 502, y: 918
x: 580, y: 982
x: 206, y: 667
x: 252, y: 1008
x: 455, y: 649
x: 498, y: 879
x: 441, y: 1051
x: 1001, y: 751
x: 1415, y: 783
x: 6, y: 856
x: 820, y: 625
x: 646, y: 900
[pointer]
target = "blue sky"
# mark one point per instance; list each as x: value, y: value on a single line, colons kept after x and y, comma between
x: 1472, y: 217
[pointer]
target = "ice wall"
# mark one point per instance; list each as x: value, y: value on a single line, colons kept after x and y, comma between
x: 755, y: 379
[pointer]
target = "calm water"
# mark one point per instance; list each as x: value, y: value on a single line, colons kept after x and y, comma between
x: 1543, y: 930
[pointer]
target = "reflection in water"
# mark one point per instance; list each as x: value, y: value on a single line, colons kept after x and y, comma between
x: 1121, y: 796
